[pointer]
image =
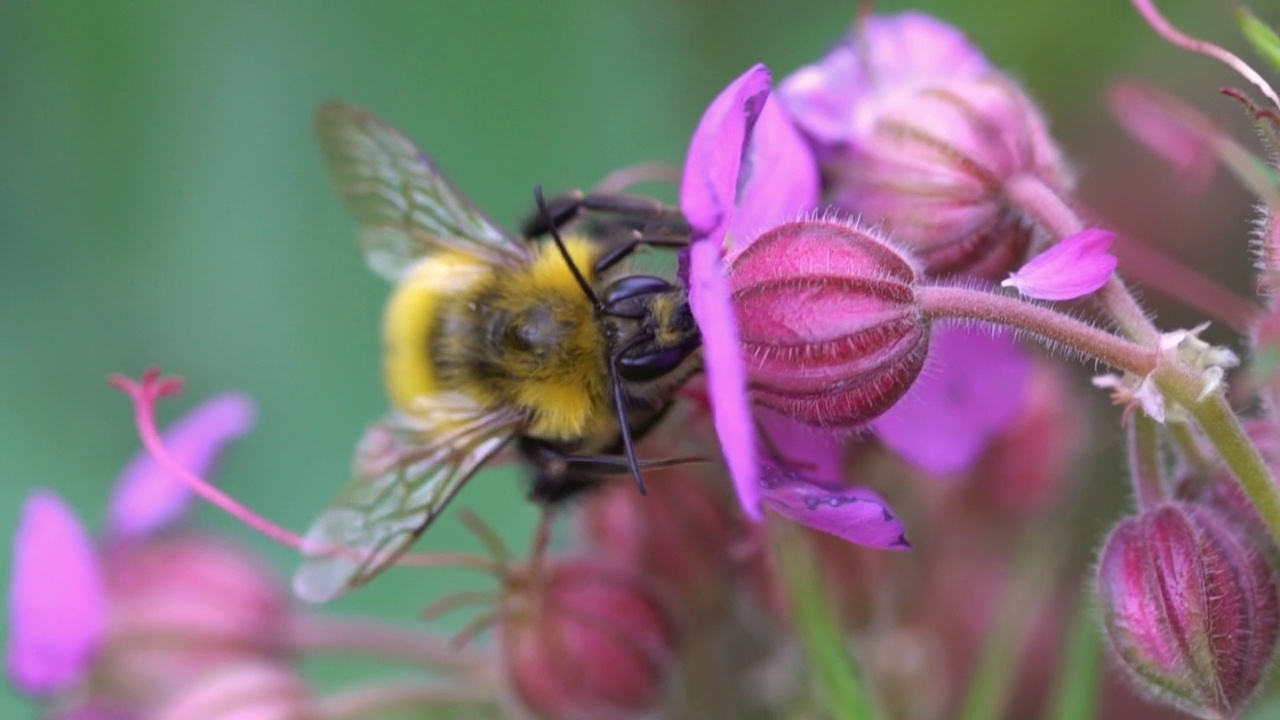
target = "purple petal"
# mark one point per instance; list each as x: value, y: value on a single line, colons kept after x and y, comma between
x: 57, y: 608
x: 1075, y: 267
x: 883, y: 59
x: 726, y: 373
x: 854, y: 514
x: 818, y: 453
x: 778, y: 179
x: 971, y: 389
x: 709, y: 188
x: 146, y: 498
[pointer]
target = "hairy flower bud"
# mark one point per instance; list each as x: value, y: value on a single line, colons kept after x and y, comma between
x: 1190, y: 606
x: 916, y: 130
x: 585, y: 641
x: 678, y: 535
x: 182, y: 605
x: 831, y: 330
x: 254, y: 690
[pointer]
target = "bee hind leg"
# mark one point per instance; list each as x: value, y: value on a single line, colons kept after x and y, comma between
x: 668, y: 222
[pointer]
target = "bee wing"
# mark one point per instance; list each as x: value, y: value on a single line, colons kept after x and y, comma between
x: 405, y: 472
x: 405, y: 204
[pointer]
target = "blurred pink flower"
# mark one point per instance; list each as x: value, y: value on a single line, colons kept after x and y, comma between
x: 1176, y: 132
x: 1079, y: 265
x: 970, y: 390
x: 57, y: 608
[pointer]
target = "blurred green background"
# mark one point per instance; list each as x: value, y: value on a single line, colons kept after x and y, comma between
x: 163, y: 203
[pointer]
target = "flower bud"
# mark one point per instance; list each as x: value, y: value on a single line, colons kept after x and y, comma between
x: 917, y: 131
x: 585, y: 641
x: 678, y: 535
x: 1189, y: 604
x: 253, y: 690
x: 830, y: 327
x: 182, y: 605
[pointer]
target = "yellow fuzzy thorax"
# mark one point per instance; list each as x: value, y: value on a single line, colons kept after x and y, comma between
x: 564, y: 395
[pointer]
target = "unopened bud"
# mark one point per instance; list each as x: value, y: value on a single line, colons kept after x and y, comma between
x: 1189, y: 604
x: 586, y: 641
x: 831, y: 329
x: 254, y: 690
x: 679, y: 535
x: 917, y: 131
x: 182, y: 605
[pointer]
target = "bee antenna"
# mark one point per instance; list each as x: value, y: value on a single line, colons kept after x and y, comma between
x: 564, y: 252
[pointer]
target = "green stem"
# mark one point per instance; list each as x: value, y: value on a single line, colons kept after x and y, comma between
x: 840, y: 680
x: 1146, y: 469
x: 1221, y: 426
x: 1203, y: 467
x: 375, y: 700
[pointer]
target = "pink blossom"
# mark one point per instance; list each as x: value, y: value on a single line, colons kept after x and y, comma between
x: 1075, y: 267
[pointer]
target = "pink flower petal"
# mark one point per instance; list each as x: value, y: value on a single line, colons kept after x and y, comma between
x: 146, y: 497
x: 778, y: 179
x: 726, y: 373
x: 1176, y: 132
x: 971, y: 389
x: 883, y: 59
x: 853, y: 514
x: 709, y: 189
x: 57, y: 608
x: 1075, y: 267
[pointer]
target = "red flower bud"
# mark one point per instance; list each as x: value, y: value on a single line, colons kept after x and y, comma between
x: 180, y: 606
x: 830, y: 327
x: 678, y: 535
x: 584, y: 641
x: 253, y: 690
x: 1189, y: 603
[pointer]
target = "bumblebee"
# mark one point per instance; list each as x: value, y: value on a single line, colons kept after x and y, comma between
x: 490, y: 338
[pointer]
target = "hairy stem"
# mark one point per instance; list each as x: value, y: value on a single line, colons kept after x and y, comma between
x: 1038, y: 200
x: 316, y: 634
x: 1042, y: 322
x: 1146, y: 467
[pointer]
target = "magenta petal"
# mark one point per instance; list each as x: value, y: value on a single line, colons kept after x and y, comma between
x: 726, y: 373
x: 971, y: 389
x: 884, y: 58
x: 146, y: 498
x: 853, y: 514
x: 778, y: 179
x: 1075, y: 267
x: 57, y: 606
x: 709, y: 188
x: 820, y: 452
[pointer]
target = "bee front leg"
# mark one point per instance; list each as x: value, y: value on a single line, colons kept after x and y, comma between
x: 564, y: 209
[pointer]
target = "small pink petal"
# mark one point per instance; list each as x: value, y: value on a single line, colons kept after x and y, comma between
x: 972, y: 387
x: 146, y: 497
x: 1075, y: 267
x: 853, y: 514
x: 57, y: 608
x: 709, y: 189
x: 726, y: 374
x: 1176, y: 132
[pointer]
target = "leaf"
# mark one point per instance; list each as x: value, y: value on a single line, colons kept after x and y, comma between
x: 1075, y: 696
x: 841, y: 685
x: 1265, y: 41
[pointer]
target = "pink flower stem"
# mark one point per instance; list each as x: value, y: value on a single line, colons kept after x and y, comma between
x: 1147, y: 8
x: 152, y: 388
x: 1045, y: 324
x: 331, y: 634
x: 1038, y: 200
x: 379, y: 699
x: 1146, y: 468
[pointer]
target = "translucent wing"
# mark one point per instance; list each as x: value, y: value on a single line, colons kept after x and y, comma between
x: 406, y: 206
x: 405, y: 472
